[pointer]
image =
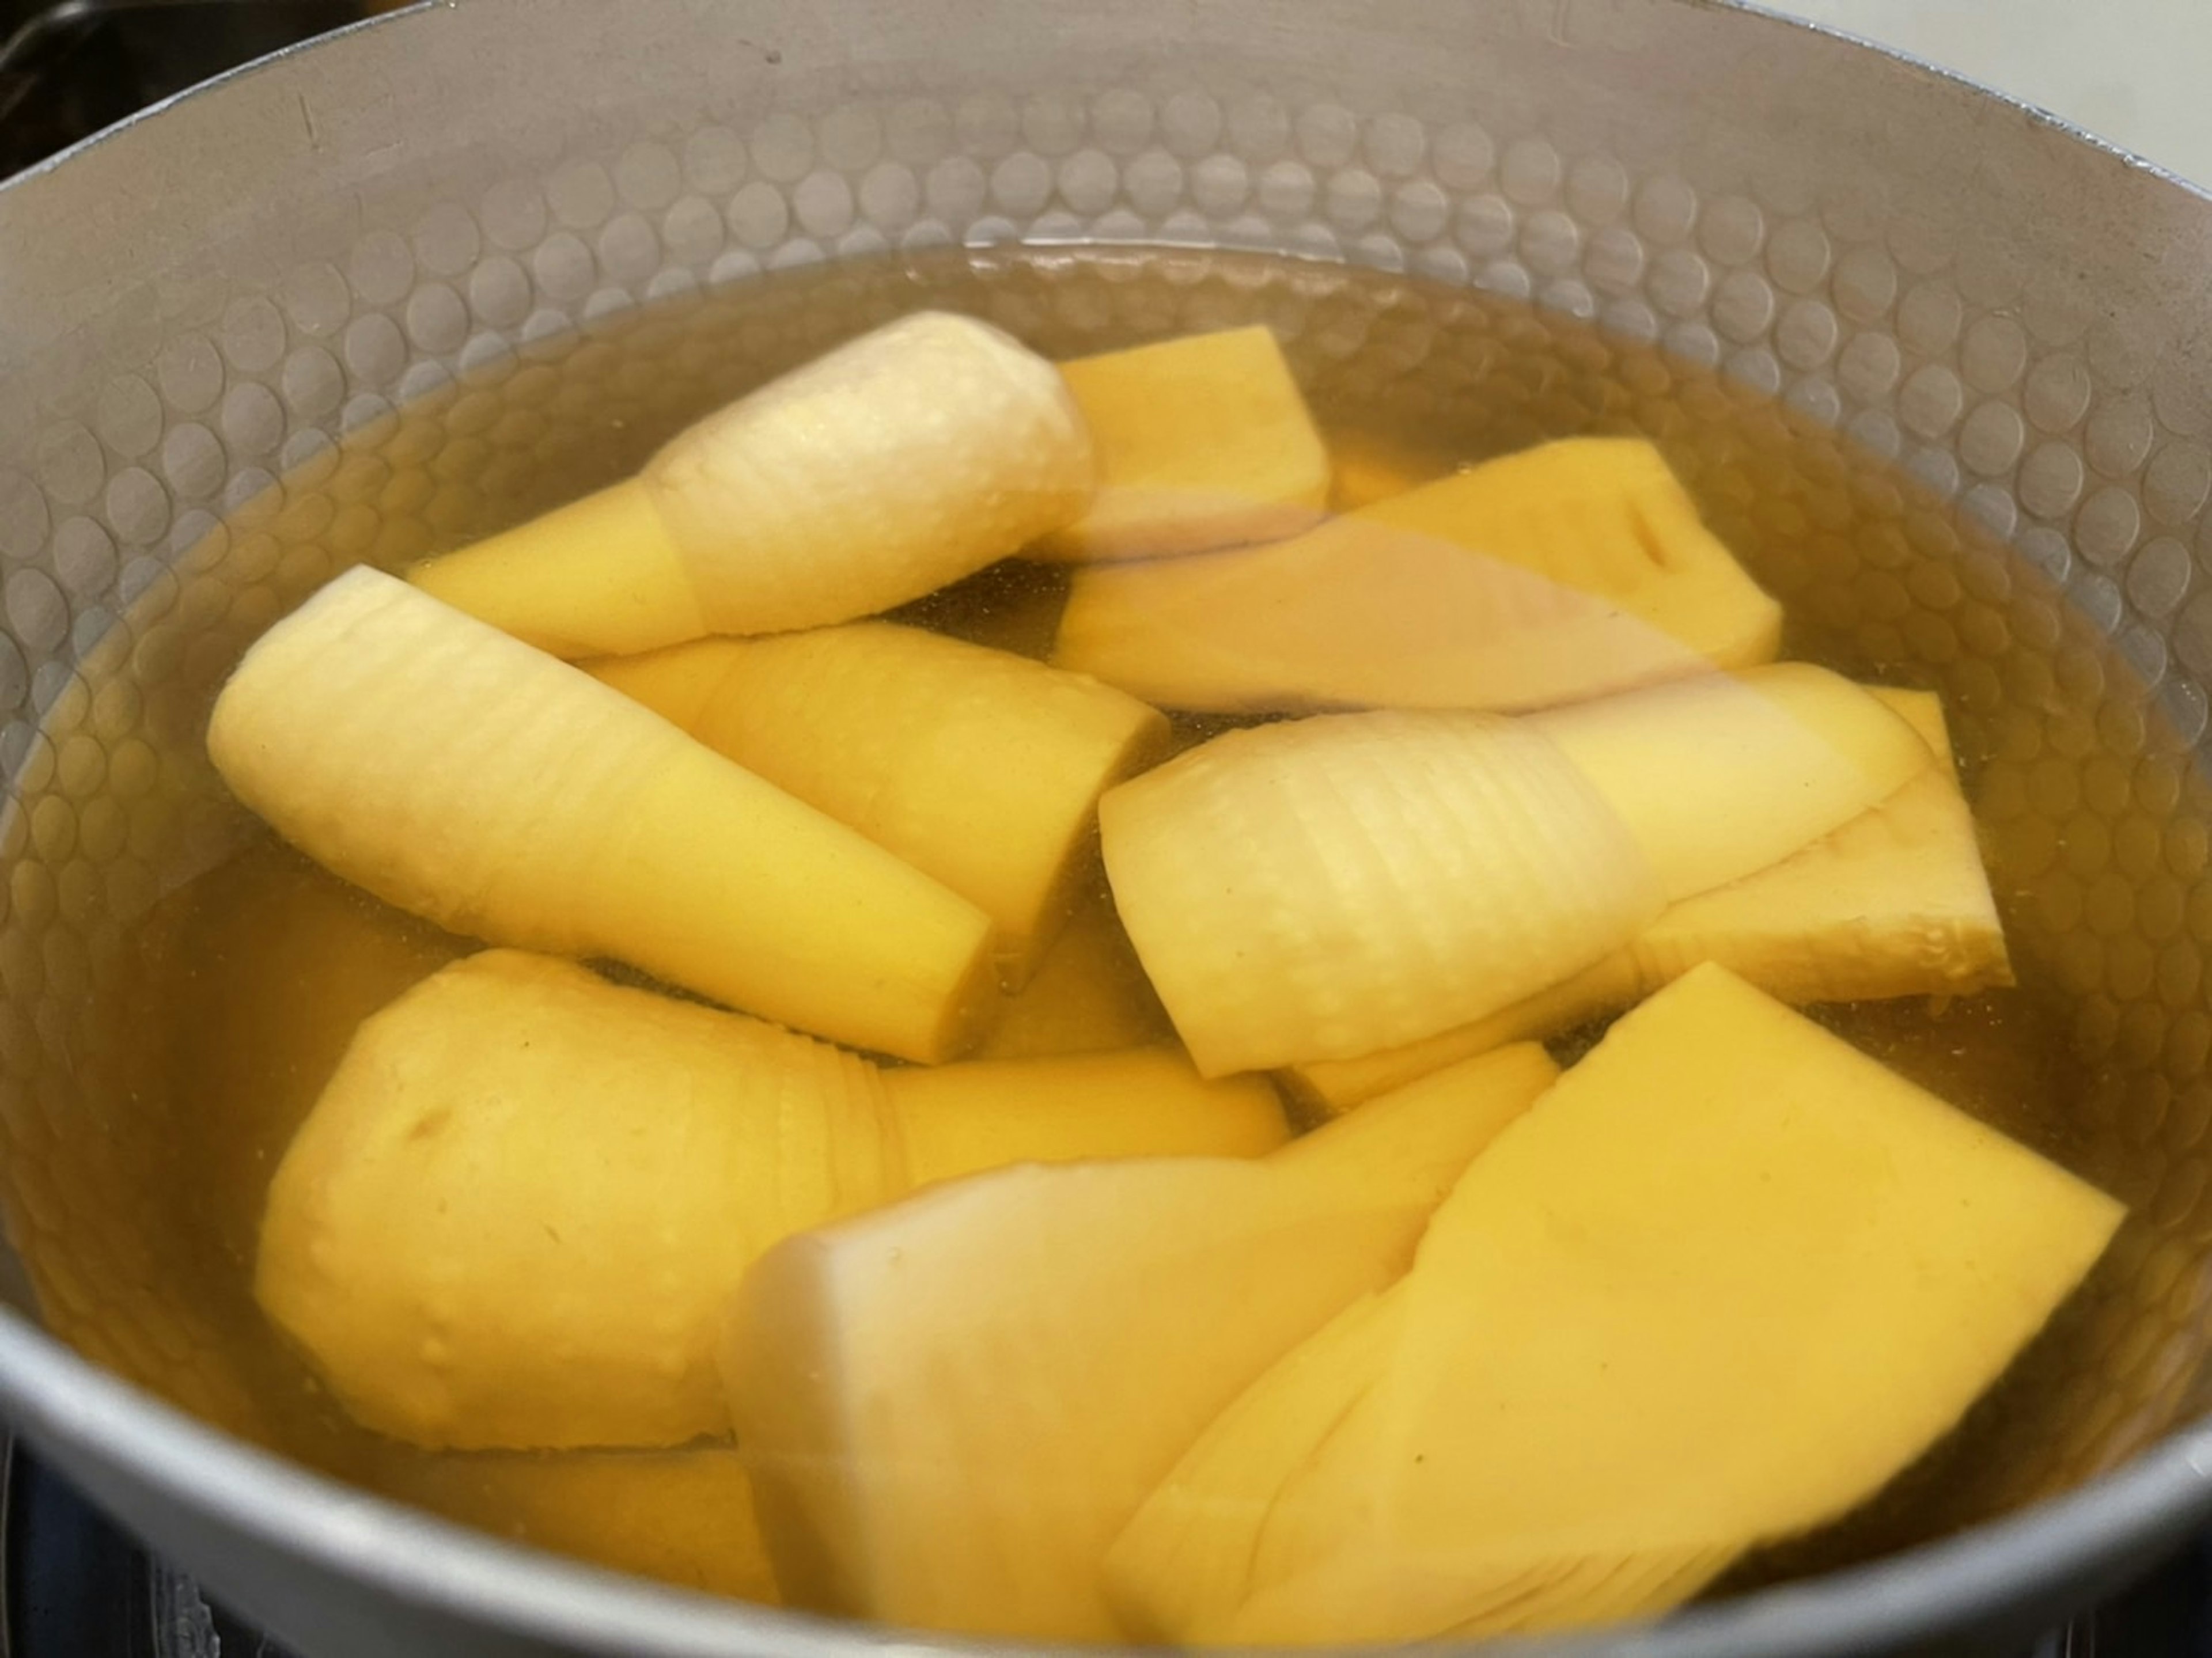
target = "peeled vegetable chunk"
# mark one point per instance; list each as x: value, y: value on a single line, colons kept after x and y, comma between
x: 950, y: 1408
x: 521, y: 1207
x: 1324, y: 888
x: 685, y: 1517
x: 1202, y: 442
x: 1723, y: 1281
x: 1718, y: 777
x: 1896, y: 902
x: 1088, y: 995
x: 985, y: 1113
x: 517, y: 1210
x: 1569, y: 571
x: 469, y: 779
x: 981, y: 769
x: 875, y: 474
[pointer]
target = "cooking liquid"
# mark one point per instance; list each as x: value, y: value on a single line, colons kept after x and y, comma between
x: 225, y: 1002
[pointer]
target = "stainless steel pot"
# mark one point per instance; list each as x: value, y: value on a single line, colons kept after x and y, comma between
x: 373, y: 296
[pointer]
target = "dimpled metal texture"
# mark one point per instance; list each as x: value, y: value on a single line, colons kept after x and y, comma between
x: 1937, y: 370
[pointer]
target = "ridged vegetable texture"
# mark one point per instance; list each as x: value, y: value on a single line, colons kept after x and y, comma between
x: 949, y: 1408
x: 1718, y: 1287
x: 517, y: 1211
x: 478, y: 782
x: 981, y: 769
x: 1572, y: 570
x: 876, y: 473
x: 1896, y: 902
x: 1328, y: 887
x: 1720, y: 776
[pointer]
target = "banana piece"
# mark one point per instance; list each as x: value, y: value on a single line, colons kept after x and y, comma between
x: 949, y: 1408
x: 1573, y: 570
x: 1202, y: 442
x: 1896, y: 902
x: 520, y: 1206
x: 1324, y: 888
x: 979, y: 769
x: 897, y: 462
x: 1721, y: 1283
x: 474, y: 781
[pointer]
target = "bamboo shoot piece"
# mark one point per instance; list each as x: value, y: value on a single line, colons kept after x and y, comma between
x: 1720, y: 776
x: 1896, y: 902
x: 1573, y: 570
x: 979, y: 769
x: 985, y: 1113
x: 475, y: 782
x: 1297, y: 890
x: 1088, y: 995
x: 1725, y: 1280
x: 1202, y: 442
x: 517, y: 1211
x: 950, y: 1408
x: 897, y: 462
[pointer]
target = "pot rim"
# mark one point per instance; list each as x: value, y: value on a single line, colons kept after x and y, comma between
x: 57, y: 1398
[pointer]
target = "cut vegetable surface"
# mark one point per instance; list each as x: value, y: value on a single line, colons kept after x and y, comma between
x: 1719, y: 777
x: 518, y: 1211
x: 1202, y: 442
x: 876, y: 473
x: 1896, y: 902
x: 981, y: 769
x: 1569, y: 571
x: 474, y: 781
x: 1723, y: 1282
x: 1295, y: 891
x: 950, y: 1408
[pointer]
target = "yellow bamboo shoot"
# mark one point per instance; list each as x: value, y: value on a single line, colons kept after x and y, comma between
x: 1569, y: 571
x: 519, y: 1208
x: 949, y: 1408
x: 474, y: 781
x: 879, y: 472
x: 981, y: 769
x: 1202, y: 442
x: 1296, y: 891
x: 1721, y: 1284
x: 1896, y: 902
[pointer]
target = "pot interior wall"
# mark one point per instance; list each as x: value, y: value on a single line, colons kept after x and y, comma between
x: 1931, y: 371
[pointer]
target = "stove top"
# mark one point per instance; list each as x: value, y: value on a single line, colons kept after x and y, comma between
x: 69, y: 68
x: 72, y: 1586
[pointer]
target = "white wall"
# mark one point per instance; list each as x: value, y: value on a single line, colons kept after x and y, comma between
x: 2137, y: 72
